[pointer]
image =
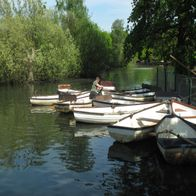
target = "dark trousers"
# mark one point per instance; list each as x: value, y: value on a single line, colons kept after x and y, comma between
x: 92, y: 95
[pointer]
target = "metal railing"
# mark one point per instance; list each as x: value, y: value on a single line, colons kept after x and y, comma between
x: 183, y: 85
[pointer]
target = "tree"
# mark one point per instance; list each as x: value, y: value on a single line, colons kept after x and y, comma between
x: 118, y: 36
x: 94, y: 45
x: 166, y: 26
x: 33, y: 46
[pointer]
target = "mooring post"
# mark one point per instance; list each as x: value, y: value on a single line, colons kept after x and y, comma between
x: 165, y: 74
x: 190, y: 87
x: 175, y: 79
x: 157, y: 77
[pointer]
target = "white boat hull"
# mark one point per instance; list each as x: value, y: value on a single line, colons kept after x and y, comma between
x: 98, y: 119
x: 82, y: 102
x: 125, y: 135
x: 69, y: 107
x: 44, y: 100
x: 113, y: 102
x: 109, y: 88
x: 138, y: 126
x: 106, y: 115
x: 149, y: 96
x: 176, y: 150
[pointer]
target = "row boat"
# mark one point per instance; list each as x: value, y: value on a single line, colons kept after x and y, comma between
x: 68, y: 106
x: 80, y: 101
x: 107, y: 115
x: 146, y: 96
x: 113, y: 102
x: 139, y: 125
x: 63, y: 94
x: 108, y: 86
x: 176, y: 134
x: 44, y: 100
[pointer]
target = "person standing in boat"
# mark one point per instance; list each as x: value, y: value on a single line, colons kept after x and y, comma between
x: 96, y: 88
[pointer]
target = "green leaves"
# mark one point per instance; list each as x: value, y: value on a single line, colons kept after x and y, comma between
x: 34, y: 45
x: 46, y: 45
x: 166, y: 26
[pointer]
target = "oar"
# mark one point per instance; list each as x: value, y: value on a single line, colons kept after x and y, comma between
x: 178, y: 136
x: 132, y: 114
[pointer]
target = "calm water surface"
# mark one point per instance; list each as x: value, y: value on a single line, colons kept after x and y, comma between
x: 47, y: 153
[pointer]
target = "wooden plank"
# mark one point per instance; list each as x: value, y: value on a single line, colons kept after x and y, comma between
x: 179, y: 110
x: 188, y: 116
x: 149, y: 119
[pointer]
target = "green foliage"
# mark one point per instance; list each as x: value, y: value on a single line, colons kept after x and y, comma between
x: 166, y: 26
x: 99, y: 50
x: 95, y: 47
x: 46, y: 45
x: 32, y: 43
x: 118, y: 36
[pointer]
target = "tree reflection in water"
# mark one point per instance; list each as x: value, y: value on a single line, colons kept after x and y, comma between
x: 76, y: 152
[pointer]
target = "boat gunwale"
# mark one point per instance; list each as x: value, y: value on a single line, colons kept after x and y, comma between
x: 132, y: 128
x: 184, y: 104
x: 174, y: 146
x: 192, y: 125
x: 43, y: 99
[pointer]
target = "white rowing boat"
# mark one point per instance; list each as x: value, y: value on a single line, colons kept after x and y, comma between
x: 176, y: 139
x: 44, y: 100
x: 146, y: 96
x: 68, y: 106
x: 139, y: 125
x: 133, y: 91
x: 107, y: 115
x: 183, y: 110
x: 108, y: 86
x: 63, y: 94
x: 81, y: 101
x: 113, y: 102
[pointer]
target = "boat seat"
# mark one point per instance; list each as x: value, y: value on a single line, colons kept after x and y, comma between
x: 149, y: 119
x: 179, y: 110
x: 163, y: 111
x: 188, y: 116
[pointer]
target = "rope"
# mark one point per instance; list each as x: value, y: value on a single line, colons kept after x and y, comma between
x: 178, y: 136
x: 188, y: 96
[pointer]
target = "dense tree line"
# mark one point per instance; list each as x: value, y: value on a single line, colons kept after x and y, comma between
x: 40, y: 44
x: 160, y: 28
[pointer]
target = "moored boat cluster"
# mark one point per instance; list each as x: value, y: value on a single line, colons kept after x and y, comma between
x: 132, y: 116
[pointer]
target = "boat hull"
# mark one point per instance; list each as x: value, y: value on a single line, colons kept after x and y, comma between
x: 174, y: 139
x: 98, y: 119
x: 125, y: 135
x: 69, y: 107
x: 113, y: 102
x: 139, y: 125
x: 135, y: 97
x: 107, y: 115
x: 44, y: 100
x: 179, y: 155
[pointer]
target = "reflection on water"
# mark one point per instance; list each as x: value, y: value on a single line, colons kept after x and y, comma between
x: 132, y: 152
x: 43, y: 109
x: 132, y: 76
x: 90, y: 130
x: 44, y: 152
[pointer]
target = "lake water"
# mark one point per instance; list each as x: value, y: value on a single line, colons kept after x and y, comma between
x: 46, y: 153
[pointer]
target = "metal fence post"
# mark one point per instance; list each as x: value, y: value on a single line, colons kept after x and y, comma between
x: 165, y: 73
x: 157, y: 77
x: 190, y: 89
